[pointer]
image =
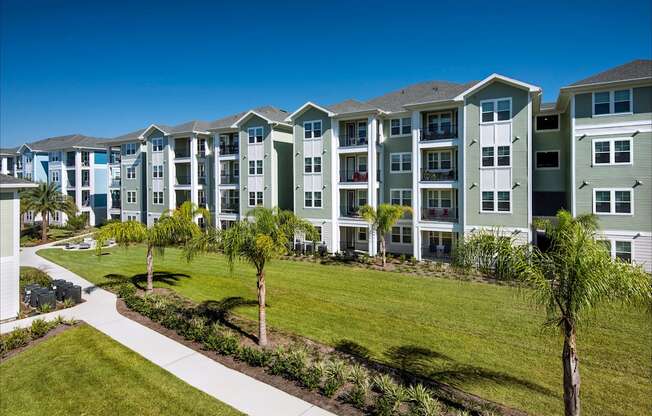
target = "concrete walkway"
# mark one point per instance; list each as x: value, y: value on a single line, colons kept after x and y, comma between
x: 240, y: 391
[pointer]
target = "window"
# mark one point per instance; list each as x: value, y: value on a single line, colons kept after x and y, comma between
x: 503, y: 155
x: 400, y: 126
x: 612, y: 151
x: 402, y: 235
x: 202, y: 148
x: 487, y: 156
x: 157, y: 198
x: 496, y: 156
x: 438, y: 199
x: 312, y: 199
x: 307, y: 165
x: 131, y: 217
x: 57, y: 216
x: 157, y: 144
x: 85, y: 159
x: 131, y: 172
x: 157, y: 171
x: 623, y: 250
x: 312, y: 129
x: 440, y: 122
x: 613, y: 201
x: 255, y: 167
x: 201, y: 197
x: 547, y: 160
x: 439, y: 161
x: 130, y: 149
x: 307, y: 199
x: 131, y: 197
x: 362, y: 130
x: 401, y: 197
x: 362, y: 234
x: 318, y: 230
x: 612, y: 102
x: 55, y: 157
x: 496, y: 110
x: 312, y: 165
x: 255, y: 135
x: 317, y: 199
x: 400, y: 162
x: 201, y: 172
x: 396, y: 234
x: 55, y: 176
x: 489, y: 199
x: 255, y: 199
x: 362, y: 198
x: 548, y: 122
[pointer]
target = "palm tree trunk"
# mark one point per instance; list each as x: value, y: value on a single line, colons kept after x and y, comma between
x: 571, y: 365
x: 44, y: 226
x: 383, y: 250
x: 150, y: 268
x: 262, y: 320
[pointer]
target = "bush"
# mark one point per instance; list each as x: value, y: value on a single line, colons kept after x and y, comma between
x: 254, y: 356
x: 17, y: 338
x: 336, y: 373
x: 77, y: 222
x: 40, y: 327
x: 45, y: 308
x: 126, y: 290
x: 359, y: 377
x: 31, y: 275
x: 312, y: 376
x: 224, y: 341
x: 422, y: 403
x: 68, y: 303
x: 196, y: 330
x: 390, y: 397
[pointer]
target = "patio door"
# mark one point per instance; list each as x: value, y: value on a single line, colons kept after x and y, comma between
x: 350, y: 134
x: 350, y: 201
x: 350, y: 167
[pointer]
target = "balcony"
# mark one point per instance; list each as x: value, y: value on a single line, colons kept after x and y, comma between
x: 229, y: 149
x: 230, y: 208
x: 115, y: 204
x: 115, y: 183
x: 439, y: 214
x: 353, y: 176
x: 351, y: 141
x: 229, y: 179
x: 201, y: 180
x: 350, y: 211
x: 429, y: 134
x: 182, y: 180
x: 439, y: 175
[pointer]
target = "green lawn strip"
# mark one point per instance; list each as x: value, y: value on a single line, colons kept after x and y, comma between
x: 485, y: 339
x: 83, y: 372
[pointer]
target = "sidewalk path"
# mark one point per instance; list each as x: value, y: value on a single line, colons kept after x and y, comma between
x: 240, y: 391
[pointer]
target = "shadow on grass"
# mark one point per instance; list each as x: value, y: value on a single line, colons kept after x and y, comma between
x: 140, y: 280
x: 410, y: 361
x: 220, y: 311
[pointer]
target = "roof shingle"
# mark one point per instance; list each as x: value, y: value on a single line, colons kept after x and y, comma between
x: 65, y: 142
x: 640, y: 68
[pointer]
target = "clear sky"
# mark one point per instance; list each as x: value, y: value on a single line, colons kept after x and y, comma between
x: 107, y: 68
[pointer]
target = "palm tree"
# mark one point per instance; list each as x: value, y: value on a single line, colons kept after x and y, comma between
x: 382, y: 220
x: 264, y: 238
x: 46, y: 199
x: 189, y: 211
x: 167, y: 231
x: 575, y: 275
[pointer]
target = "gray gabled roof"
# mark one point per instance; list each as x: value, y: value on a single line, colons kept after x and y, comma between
x: 65, y: 142
x: 9, y: 151
x: 225, y: 122
x: 269, y: 112
x: 272, y: 113
x: 638, y: 69
x: 351, y: 106
x: 189, y: 127
x: 7, y: 181
x: 423, y: 92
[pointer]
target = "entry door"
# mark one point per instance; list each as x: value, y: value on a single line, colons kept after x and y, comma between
x: 350, y: 201
x: 350, y: 167
x: 350, y: 237
x: 350, y: 133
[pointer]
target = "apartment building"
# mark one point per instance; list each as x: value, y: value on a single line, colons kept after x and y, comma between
x: 77, y: 163
x: 8, y: 160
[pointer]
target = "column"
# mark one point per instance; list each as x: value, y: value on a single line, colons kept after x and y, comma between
x: 216, y: 176
x: 335, y: 189
x: 194, y: 171
x: 78, y: 179
x: 372, y: 169
x: 172, y: 196
x: 416, y: 195
x: 461, y: 175
x: 3, y: 167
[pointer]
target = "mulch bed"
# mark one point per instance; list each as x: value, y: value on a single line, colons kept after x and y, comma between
x: 52, y: 333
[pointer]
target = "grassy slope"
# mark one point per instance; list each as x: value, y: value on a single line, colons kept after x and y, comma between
x: 483, y: 338
x: 83, y: 372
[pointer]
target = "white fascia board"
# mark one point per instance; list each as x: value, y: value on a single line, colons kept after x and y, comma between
x: 305, y: 107
x: 17, y: 185
x: 497, y: 77
x: 151, y: 127
x: 246, y: 116
x: 606, y: 84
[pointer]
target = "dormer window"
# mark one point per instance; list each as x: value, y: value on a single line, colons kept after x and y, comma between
x: 612, y: 102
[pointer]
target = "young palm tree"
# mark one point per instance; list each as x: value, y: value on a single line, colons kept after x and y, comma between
x: 168, y: 230
x: 46, y: 199
x: 382, y: 220
x: 189, y: 211
x: 575, y: 275
x: 257, y: 242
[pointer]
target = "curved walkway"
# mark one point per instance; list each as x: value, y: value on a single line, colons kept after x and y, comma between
x: 240, y: 391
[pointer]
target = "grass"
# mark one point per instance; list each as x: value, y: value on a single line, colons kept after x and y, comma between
x: 486, y: 339
x: 83, y: 372
x: 32, y: 236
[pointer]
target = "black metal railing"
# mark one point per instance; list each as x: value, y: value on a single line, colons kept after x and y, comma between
x: 86, y: 202
x: 229, y: 179
x: 347, y: 141
x: 439, y: 214
x: 230, y: 208
x: 350, y: 211
x: 201, y: 180
x: 229, y: 149
x: 438, y: 133
x: 428, y: 175
x: 115, y: 204
x: 179, y: 153
x: 183, y: 180
x: 115, y: 183
x: 353, y: 176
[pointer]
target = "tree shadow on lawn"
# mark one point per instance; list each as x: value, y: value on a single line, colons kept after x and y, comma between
x: 140, y: 280
x: 220, y: 311
x: 413, y: 360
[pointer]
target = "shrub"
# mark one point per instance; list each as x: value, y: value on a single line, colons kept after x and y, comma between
x: 40, y: 327
x: 17, y: 338
x: 422, y: 403
x: 196, y: 330
x: 312, y: 376
x: 31, y: 275
x: 336, y: 372
x: 77, y: 222
x: 45, y: 308
x: 277, y: 362
x: 390, y: 397
x: 126, y: 290
x: 224, y: 341
x: 68, y: 303
x: 254, y: 356
x: 359, y: 377
x: 296, y: 361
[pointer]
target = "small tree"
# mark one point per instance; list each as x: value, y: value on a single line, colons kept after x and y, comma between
x: 168, y: 230
x: 46, y: 199
x: 257, y: 242
x: 382, y: 220
x: 575, y: 275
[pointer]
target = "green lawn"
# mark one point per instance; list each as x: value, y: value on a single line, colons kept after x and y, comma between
x: 485, y: 339
x: 83, y: 372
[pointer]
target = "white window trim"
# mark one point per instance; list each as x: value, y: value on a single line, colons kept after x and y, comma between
x: 256, y: 167
x: 439, y: 198
x: 495, y: 101
x: 58, y: 176
x: 439, y: 153
x: 157, y: 139
x: 536, y: 123
x: 612, y: 245
x: 401, y: 154
x: 154, y: 171
x: 135, y: 194
x: 495, y: 165
x: 548, y: 151
x: 400, y: 191
x: 312, y: 198
x: 254, y: 129
x: 312, y: 127
x: 312, y: 165
x: 401, y: 227
x: 154, y: 200
x: 612, y: 102
x: 262, y: 202
x: 612, y: 201
x: 401, y: 125
x: 357, y: 235
x: 129, y: 146
x: 612, y: 151
x: 495, y: 210
x: 127, y: 173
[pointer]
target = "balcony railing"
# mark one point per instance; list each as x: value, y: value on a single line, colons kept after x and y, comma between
x: 438, y: 176
x: 183, y: 180
x: 179, y: 153
x: 229, y: 149
x: 350, y: 211
x: 115, y: 204
x: 201, y: 180
x: 346, y: 141
x: 71, y: 183
x: 353, y: 176
x: 86, y: 184
x: 70, y: 163
x: 86, y: 202
x: 115, y: 183
x: 439, y: 214
x: 432, y: 133
x: 230, y: 208
x: 229, y: 179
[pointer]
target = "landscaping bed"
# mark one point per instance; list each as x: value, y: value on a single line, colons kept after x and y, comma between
x: 20, y: 339
x: 33, y: 278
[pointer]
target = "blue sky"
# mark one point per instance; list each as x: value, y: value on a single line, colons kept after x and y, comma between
x: 107, y: 68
